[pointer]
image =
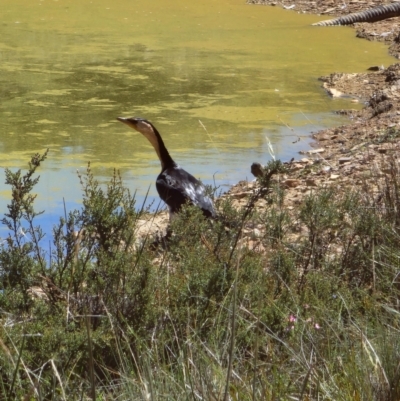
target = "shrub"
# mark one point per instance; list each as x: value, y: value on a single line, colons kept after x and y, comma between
x: 104, y: 314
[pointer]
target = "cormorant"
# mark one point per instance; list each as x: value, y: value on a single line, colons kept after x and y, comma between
x: 174, y: 185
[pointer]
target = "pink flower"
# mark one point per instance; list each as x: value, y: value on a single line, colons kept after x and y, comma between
x: 317, y: 326
x: 292, y: 318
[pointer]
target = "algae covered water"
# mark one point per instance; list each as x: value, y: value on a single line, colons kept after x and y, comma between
x: 217, y: 78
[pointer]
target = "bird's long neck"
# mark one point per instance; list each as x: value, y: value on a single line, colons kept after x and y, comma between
x: 162, y: 152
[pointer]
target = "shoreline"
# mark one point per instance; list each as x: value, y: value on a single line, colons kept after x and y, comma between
x: 382, y: 31
x: 346, y: 157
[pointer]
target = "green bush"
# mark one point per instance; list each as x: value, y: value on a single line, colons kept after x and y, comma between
x: 104, y: 315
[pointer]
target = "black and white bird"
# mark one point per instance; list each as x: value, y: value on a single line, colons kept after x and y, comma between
x: 174, y: 185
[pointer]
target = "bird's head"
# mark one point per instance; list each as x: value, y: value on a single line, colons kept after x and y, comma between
x: 147, y: 129
x: 139, y: 124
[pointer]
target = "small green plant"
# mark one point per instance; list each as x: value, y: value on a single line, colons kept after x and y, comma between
x: 388, y: 135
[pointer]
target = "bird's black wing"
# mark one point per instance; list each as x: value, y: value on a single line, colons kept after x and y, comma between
x: 176, y: 186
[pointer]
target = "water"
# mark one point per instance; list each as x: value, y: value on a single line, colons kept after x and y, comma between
x: 215, y: 77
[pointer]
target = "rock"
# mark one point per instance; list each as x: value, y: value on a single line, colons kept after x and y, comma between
x: 334, y: 92
x: 296, y: 166
x: 315, y: 151
x: 37, y: 292
x: 328, y: 10
x: 257, y: 169
x: 385, y: 148
x: 255, y: 246
x: 260, y: 248
x: 310, y: 182
x: 357, y: 146
x: 387, y: 170
x: 348, y: 169
x: 241, y: 195
x: 344, y: 160
x: 291, y: 183
x: 368, y: 158
x: 323, y: 137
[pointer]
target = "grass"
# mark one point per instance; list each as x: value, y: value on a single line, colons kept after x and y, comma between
x: 102, y: 315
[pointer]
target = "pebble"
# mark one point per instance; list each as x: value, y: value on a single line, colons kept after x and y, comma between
x: 344, y: 160
x: 314, y: 151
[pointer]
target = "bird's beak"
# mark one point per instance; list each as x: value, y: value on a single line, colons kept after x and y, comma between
x: 128, y: 121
